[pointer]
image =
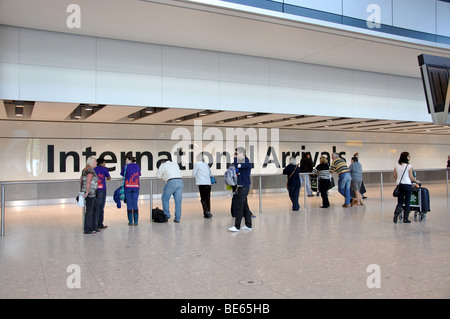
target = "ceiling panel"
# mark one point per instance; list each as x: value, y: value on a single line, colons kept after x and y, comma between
x: 299, y: 121
x: 166, y: 115
x: 46, y: 111
x: 366, y: 124
x: 254, y: 120
x: 331, y: 123
x: 213, y: 118
x: 112, y: 113
x: 2, y: 110
x: 49, y: 111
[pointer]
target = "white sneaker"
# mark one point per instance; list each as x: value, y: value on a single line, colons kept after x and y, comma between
x: 245, y: 228
x: 233, y: 229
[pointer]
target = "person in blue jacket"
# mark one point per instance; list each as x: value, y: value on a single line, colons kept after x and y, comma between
x: 243, y: 169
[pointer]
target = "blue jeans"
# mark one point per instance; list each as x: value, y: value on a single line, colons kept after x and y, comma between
x: 173, y: 187
x: 304, y: 180
x: 344, y: 186
x: 131, y: 197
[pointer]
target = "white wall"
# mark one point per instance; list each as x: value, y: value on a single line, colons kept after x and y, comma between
x: 25, y: 146
x: 55, y: 67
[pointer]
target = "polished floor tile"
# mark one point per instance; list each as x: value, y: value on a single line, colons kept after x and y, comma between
x: 314, y: 253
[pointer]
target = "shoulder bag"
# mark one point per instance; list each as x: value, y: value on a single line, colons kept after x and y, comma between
x: 287, y: 182
x: 396, y: 192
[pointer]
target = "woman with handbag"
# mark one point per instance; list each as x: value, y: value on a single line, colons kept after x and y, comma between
x: 293, y: 182
x: 324, y: 180
x: 89, y: 184
x: 404, y: 177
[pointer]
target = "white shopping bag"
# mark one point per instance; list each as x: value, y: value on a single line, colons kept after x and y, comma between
x: 81, y: 199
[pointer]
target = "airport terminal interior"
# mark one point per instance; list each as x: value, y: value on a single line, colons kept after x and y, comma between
x: 168, y: 79
x: 313, y: 253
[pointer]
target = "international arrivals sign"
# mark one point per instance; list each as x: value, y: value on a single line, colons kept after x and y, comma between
x: 49, y: 158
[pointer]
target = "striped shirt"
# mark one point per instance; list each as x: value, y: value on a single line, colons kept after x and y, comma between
x: 339, y: 166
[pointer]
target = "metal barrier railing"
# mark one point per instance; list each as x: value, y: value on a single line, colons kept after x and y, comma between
x: 152, y: 179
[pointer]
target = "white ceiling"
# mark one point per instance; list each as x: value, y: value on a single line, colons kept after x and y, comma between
x: 185, y: 24
x: 60, y: 112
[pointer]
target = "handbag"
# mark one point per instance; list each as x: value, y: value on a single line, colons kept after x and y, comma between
x: 332, y: 183
x: 80, y: 199
x: 396, y: 192
x: 213, y: 180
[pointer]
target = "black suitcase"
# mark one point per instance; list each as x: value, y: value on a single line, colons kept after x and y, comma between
x: 423, y: 208
x: 425, y: 200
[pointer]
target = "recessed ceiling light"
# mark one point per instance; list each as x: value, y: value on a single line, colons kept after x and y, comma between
x: 18, y: 111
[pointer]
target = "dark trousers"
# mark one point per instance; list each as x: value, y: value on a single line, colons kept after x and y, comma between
x: 90, y: 215
x: 205, y: 197
x: 404, y: 197
x: 324, y: 186
x: 240, y: 207
x: 101, y: 201
x: 293, y: 195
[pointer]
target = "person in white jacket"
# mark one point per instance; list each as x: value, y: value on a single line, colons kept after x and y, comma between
x: 202, y: 174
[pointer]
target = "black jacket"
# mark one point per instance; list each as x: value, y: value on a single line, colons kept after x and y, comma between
x: 295, y: 178
x: 306, y: 165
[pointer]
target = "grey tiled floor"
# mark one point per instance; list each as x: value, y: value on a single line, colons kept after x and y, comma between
x: 320, y: 253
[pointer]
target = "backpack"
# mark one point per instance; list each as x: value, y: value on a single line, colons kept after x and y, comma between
x: 158, y: 215
x: 231, y: 176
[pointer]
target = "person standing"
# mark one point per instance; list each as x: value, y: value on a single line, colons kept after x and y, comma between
x: 240, y: 203
x: 355, y: 169
x: 170, y: 172
x: 403, y: 174
x: 293, y: 182
x: 103, y: 175
x: 340, y: 167
x: 362, y: 190
x: 89, y: 183
x: 306, y: 166
x: 131, y: 172
x: 324, y: 180
x: 202, y: 174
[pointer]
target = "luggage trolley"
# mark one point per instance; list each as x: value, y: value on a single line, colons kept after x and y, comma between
x: 419, y: 203
x: 314, y: 183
